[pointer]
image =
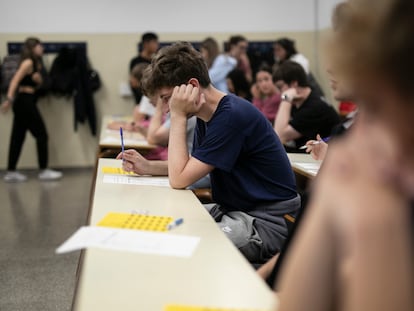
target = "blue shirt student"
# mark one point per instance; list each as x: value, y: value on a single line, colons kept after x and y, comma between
x: 251, y: 165
x: 252, y: 181
x: 222, y: 65
x: 251, y: 178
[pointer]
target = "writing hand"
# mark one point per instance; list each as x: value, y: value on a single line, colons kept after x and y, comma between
x: 317, y: 148
x: 133, y: 162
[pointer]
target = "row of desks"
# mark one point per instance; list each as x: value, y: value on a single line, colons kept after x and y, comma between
x: 110, y: 141
x: 216, y: 275
x: 110, y: 144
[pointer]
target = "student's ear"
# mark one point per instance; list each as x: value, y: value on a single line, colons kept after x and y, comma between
x: 194, y: 82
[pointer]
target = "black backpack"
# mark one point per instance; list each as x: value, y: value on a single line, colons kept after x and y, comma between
x: 7, y: 71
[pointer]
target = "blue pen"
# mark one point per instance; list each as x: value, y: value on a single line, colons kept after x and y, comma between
x: 122, y: 142
x: 175, y: 223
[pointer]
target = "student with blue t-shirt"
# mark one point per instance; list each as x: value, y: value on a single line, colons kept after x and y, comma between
x: 251, y: 178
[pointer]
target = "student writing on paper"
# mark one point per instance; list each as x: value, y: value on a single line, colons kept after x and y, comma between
x: 355, y: 248
x: 251, y: 179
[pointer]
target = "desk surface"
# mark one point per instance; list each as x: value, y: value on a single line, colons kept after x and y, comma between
x: 303, y: 164
x: 111, y: 138
x: 216, y: 275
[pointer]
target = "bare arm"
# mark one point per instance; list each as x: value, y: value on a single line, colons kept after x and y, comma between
x: 353, y: 249
x: 184, y: 170
x: 282, y: 127
x: 135, y: 162
x: 306, y: 281
x: 26, y: 67
x: 158, y: 134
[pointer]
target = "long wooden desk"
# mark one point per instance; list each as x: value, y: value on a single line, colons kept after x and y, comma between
x: 110, y: 141
x: 216, y: 275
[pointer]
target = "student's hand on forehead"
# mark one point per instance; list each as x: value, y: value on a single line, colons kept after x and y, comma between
x: 292, y: 93
x: 186, y: 99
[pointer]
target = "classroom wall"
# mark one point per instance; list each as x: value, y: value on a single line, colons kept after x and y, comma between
x: 112, y: 34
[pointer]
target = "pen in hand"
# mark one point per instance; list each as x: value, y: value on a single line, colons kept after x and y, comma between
x: 315, y: 142
x: 122, y: 142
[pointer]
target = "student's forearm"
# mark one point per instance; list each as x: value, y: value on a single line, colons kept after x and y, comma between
x: 13, y: 87
x: 282, y: 119
x: 178, y: 156
x: 23, y: 69
x: 158, y: 168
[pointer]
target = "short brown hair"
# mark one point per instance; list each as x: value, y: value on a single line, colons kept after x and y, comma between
x: 174, y: 65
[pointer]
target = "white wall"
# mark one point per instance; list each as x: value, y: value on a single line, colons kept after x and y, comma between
x: 110, y: 16
x: 324, y: 12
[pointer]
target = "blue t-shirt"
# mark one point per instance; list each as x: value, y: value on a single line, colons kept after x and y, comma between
x: 250, y: 163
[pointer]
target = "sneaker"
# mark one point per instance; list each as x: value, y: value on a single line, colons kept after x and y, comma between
x: 49, y: 174
x: 14, y: 177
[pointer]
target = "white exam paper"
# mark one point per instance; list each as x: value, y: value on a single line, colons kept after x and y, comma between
x: 312, y: 168
x: 136, y: 180
x: 158, y: 243
x: 127, y: 141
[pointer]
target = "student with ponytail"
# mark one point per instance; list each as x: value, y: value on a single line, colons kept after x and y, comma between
x: 21, y: 96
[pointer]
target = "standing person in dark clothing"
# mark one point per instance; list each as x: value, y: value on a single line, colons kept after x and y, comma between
x: 26, y: 114
x: 149, y: 45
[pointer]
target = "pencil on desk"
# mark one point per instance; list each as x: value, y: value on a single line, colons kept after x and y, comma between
x: 175, y: 223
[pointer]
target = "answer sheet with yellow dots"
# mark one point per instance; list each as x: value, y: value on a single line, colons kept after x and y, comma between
x: 136, y: 221
x: 116, y: 171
